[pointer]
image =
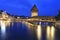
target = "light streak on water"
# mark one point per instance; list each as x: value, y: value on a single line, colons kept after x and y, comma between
x: 52, y: 32
x: 12, y: 24
x: 48, y: 32
x: 3, y: 29
x: 7, y: 22
x: 39, y: 32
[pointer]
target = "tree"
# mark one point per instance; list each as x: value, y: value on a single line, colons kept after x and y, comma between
x: 58, y: 16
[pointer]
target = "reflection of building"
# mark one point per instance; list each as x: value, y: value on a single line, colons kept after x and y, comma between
x: 34, y: 11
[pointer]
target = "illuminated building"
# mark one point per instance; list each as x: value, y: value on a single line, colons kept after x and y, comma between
x: 34, y: 11
x: 4, y: 14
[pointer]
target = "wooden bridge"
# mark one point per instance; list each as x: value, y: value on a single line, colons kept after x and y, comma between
x: 29, y: 21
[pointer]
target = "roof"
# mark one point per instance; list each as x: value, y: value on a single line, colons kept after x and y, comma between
x: 34, y: 8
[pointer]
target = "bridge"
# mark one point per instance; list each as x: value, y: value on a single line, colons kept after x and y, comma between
x: 28, y: 21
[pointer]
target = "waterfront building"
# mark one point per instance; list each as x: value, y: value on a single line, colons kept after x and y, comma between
x: 34, y: 11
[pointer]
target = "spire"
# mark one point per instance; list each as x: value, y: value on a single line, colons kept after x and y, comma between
x: 34, y: 9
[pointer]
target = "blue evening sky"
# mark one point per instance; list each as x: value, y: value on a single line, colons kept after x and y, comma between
x: 23, y: 7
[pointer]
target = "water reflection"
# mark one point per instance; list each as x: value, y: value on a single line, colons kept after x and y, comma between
x: 39, y: 32
x: 3, y: 29
x: 50, y: 33
x: 22, y: 32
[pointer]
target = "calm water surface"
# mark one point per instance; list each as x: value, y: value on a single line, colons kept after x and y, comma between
x: 20, y: 31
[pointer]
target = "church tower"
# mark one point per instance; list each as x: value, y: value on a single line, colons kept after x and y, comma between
x: 34, y: 11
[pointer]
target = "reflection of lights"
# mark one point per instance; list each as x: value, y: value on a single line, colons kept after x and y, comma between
x: 52, y: 32
x: 39, y: 29
x: 48, y: 32
x: 3, y: 28
x: 8, y: 22
x: 3, y: 24
x: 12, y: 23
x: 40, y: 23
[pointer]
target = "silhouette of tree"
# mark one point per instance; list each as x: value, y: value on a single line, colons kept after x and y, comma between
x: 58, y: 16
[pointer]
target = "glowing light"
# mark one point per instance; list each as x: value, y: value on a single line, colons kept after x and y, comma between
x: 3, y: 28
x: 40, y: 23
x: 39, y: 30
x: 34, y: 14
x: 8, y: 22
x: 48, y: 32
x: 18, y: 17
x: 52, y: 33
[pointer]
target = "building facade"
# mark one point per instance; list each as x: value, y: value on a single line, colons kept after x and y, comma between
x: 34, y: 11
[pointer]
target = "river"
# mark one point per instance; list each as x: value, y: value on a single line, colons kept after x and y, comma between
x: 20, y: 31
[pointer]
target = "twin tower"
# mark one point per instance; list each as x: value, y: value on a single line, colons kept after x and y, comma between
x: 34, y: 11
